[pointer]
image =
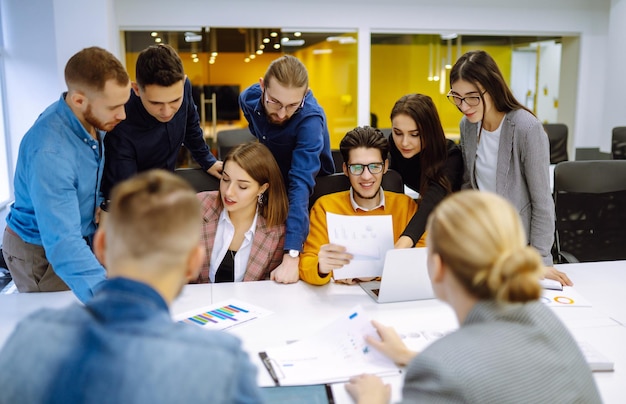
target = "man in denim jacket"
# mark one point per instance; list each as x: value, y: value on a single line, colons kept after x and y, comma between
x: 123, y: 347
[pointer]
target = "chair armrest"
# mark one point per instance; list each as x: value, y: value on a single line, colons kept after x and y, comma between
x: 567, y: 258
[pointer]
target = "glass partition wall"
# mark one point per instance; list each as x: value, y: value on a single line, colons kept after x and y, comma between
x: 420, y: 63
x: 228, y: 60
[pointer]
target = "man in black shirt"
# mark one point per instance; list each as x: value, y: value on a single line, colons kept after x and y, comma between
x: 160, y: 117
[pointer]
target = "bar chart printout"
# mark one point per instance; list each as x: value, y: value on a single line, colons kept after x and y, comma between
x: 223, y: 315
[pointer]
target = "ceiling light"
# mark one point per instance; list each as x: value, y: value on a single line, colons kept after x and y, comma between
x: 157, y: 40
x: 273, y: 34
x: 276, y: 46
x: 192, y: 37
x: 451, y: 35
x: 266, y: 40
x: 154, y: 34
x: 259, y: 52
x: 297, y: 34
x: 342, y: 39
x: 293, y: 42
x: 322, y: 51
x: 213, y: 54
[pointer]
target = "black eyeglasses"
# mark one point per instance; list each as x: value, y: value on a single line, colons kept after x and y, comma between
x: 275, y: 106
x: 471, y: 101
x: 374, y: 168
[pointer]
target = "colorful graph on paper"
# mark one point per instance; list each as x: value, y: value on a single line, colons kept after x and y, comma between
x: 223, y: 315
x: 568, y: 297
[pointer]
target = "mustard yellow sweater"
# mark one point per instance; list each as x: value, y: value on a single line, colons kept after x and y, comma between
x: 401, y: 207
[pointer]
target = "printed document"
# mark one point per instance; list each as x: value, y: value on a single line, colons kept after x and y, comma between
x: 367, y: 238
x: 333, y: 354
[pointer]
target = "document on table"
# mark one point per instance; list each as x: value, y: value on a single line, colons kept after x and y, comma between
x: 367, y: 238
x: 333, y: 354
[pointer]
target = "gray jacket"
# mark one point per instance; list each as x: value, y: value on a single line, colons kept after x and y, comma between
x: 510, y: 353
x: 523, y: 174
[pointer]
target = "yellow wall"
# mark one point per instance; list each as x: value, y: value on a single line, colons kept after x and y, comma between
x: 333, y: 80
x: 397, y: 70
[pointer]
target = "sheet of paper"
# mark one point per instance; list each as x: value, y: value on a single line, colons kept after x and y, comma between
x: 367, y: 238
x: 334, y: 354
x: 568, y: 297
x: 222, y: 315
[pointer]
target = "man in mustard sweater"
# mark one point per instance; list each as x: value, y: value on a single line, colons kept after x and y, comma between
x: 364, y: 151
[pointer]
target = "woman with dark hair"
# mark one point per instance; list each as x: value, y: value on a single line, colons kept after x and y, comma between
x: 428, y: 162
x: 510, y: 347
x: 244, y: 222
x: 505, y: 149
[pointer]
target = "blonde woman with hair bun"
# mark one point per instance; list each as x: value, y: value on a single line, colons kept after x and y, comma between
x: 509, y: 347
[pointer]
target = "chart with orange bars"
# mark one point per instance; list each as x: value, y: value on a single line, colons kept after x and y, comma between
x: 223, y: 315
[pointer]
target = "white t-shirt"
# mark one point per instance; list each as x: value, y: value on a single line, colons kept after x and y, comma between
x: 487, y: 159
x: 223, y: 236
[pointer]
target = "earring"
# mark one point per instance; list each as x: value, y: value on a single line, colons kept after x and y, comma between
x: 260, y: 199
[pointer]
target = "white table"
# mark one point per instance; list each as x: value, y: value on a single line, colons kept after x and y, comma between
x: 301, y: 309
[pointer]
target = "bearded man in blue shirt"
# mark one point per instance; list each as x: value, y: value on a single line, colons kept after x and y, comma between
x: 283, y: 114
x: 59, y: 166
x: 161, y: 117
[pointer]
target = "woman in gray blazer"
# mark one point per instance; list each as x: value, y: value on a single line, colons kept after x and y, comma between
x: 505, y: 149
x: 510, y: 347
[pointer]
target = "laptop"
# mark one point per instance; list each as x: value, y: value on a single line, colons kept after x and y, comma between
x: 404, y: 277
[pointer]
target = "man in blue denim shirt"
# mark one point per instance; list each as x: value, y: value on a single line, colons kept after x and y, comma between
x: 59, y: 167
x: 123, y: 347
x: 283, y: 114
x: 161, y: 116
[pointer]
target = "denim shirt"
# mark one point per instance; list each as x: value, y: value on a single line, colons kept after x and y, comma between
x: 301, y: 147
x: 122, y: 347
x: 58, y: 172
x: 141, y: 142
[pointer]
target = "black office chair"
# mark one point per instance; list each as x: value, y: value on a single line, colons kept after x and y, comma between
x: 386, y: 132
x: 392, y: 181
x: 338, y: 159
x: 199, y: 179
x: 618, y: 143
x: 229, y: 138
x: 590, y: 206
x: 557, y: 135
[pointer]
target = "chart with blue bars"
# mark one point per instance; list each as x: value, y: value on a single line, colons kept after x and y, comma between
x: 222, y: 315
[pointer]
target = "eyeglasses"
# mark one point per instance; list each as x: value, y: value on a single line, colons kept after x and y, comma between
x: 471, y: 101
x: 275, y: 106
x: 374, y: 168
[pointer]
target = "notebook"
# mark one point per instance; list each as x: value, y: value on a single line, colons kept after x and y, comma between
x: 404, y: 277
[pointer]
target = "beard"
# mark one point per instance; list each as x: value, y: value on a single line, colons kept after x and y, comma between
x: 357, y: 193
x: 91, y: 119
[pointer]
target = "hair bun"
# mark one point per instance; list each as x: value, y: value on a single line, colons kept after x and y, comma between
x: 514, y: 276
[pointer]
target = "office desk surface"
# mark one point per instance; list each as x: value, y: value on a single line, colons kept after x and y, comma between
x: 301, y: 309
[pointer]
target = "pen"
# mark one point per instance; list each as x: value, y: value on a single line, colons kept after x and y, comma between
x: 266, y: 362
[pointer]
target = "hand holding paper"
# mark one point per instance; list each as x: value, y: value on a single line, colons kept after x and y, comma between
x: 331, y: 257
x: 366, y: 238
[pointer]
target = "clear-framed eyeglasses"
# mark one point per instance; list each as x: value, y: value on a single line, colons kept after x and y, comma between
x: 374, y: 168
x: 275, y: 106
x: 471, y: 101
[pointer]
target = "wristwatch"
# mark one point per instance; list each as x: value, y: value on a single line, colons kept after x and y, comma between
x: 293, y: 253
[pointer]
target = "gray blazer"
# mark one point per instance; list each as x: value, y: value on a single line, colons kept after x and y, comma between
x: 523, y: 174
x: 509, y: 353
